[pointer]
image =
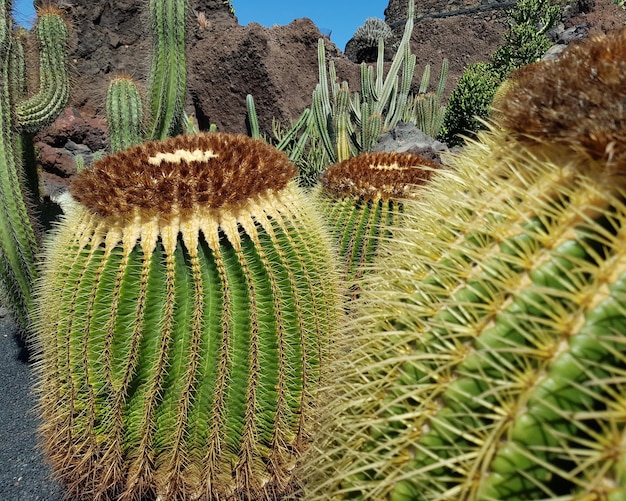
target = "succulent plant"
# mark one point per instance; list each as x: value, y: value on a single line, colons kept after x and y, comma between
x: 363, y: 197
x: 339, y: 125
x: 124, y: 112
x: 22, y: 114
x: 487, y: 358
x: 184, y: 314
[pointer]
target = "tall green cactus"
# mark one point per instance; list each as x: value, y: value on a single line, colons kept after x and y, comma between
x: 184, y: 314
x: 166, y: 84
x: 124, y: 112
x: 363, y: 196
x: 18, y: 244
x: 168, y: 70
x: 339, y: 125
x: 488, y: 358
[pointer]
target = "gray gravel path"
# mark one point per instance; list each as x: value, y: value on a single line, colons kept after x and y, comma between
x: 23, y: 474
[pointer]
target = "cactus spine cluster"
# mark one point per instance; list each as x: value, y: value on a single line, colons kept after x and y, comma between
x: 487, y: 359
x: 20, y: 117
x: 184, y: 314
x: 362, y: 197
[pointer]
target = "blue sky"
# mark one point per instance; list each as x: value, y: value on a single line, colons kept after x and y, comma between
x: 340, y: 17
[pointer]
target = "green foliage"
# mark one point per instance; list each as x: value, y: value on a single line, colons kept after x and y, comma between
x: 524, y: 43
x: 470, y: 102
x: 526, y: 40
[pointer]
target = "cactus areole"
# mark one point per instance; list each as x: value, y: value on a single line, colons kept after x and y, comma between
x: 183, y: 313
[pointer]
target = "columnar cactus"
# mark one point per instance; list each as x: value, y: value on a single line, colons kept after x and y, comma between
x: 18, y: 244
x: 166, y: 84
x: 184, y: 314
x: 124, y: 111
x: 168, y: 70
x: 363, y: 197
x: 488, y: 358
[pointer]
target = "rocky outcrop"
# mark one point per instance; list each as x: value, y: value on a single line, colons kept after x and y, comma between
x: 111, y: 37
x: 277, y: 65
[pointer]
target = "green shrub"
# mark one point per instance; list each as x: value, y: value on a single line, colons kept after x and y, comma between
x: 470, y: 102
x: 524, y: 43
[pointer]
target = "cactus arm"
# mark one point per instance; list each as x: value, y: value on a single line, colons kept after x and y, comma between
x: 42, y: 108
x: 124, y: 112
x: 18, y: 246
x: 387, y: 87
x: 342, y: 123
x: 168, y: 73
x: 253, y: 118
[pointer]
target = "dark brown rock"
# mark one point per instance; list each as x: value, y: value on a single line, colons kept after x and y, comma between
x: 277, y: 65
x: 72, y: 125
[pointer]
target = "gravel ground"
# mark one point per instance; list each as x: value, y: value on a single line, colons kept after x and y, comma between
x: 23, y: 474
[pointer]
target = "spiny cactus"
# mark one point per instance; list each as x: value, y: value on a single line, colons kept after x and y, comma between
x: 339, y: 125
x: 124, y: 112
x: 184, y: 313
x: 168, y: 70
x: 166, y: 84
x: 488, y: 358
x: 366, y: 38
x: 362, y: 197
x: 20, y: 116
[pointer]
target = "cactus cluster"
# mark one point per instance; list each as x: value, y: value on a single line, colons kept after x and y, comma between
x: 373, y: 30
x: 165, y: 94
x: 184, y: 314
x: 20, y: 116
x: 340, y: 124
x: 487, y: 358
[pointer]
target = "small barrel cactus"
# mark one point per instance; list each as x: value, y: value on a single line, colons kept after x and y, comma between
x: 184, y: 314
x: 488, y: 357
x: 362, y: 197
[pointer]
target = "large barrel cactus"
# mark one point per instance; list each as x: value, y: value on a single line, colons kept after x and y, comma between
x: 488, y: 361
x: 183, y: 317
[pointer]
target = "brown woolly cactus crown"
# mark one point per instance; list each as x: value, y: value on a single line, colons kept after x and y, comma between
x: 178, y: 174
x: 577, y: 100
x: 378, y: 175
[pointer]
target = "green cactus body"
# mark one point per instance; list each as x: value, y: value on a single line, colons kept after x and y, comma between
x: 487, y: 361
x: 17, y: 245
x: 184, y: 314
x: 362, y: 197
x: 124, y: 111
x: 42, y: 108
x: 168, y: 71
